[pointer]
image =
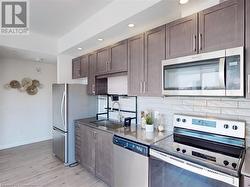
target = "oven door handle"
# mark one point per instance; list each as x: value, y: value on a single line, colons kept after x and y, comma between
x: 222, y: 72
x: 195, y: 168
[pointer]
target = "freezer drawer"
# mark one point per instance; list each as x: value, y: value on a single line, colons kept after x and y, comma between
x: 60, y: 144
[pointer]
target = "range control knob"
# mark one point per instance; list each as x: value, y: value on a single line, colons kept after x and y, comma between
x: 235, y: 127
x: 184, y: 120
x: 225, y: 162
x: 184, y: 151
x: 178, y: 149
x: 234, y: 165
x: 178, y: 119
x: 226, y: 126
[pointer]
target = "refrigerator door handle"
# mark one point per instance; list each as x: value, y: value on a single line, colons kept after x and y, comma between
x: 62, y: 106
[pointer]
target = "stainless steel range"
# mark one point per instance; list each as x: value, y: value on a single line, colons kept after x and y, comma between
x: 203, y: 152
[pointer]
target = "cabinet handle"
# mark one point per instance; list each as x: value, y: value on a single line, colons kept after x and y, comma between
x: 93, y: 88
x: 140, y: 86
x: 194, y: 43
x: 144, y: 86
x: 200, y: 42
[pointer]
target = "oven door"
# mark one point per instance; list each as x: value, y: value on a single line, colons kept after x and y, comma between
x: 166, y: 170
x: 235, y: 72
x: 197, y: 75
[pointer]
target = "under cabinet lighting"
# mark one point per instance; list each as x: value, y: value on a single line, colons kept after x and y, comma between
x: 100, y: 39
x: 79, y: 48
x: 183, y: 1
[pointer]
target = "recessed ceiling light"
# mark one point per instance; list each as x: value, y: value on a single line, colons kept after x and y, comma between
x: 131, y: 25
x: 39, y: 59
x: 183, y: 1
x: 100, y: 39
x: 79, y: 48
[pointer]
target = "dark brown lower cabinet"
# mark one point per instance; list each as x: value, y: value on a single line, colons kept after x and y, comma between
x: 87, y: 149
x: 104, y: 157
x: 94, y: 151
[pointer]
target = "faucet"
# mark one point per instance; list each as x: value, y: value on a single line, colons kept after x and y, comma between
x: 119, y: 109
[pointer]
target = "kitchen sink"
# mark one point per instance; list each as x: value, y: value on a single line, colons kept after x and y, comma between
x: 107, y: 124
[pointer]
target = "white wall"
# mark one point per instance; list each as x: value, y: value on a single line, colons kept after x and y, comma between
x: 25, y: 119
x: 64, y: 70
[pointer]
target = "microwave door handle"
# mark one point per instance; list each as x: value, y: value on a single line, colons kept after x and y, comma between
x: 222, y: 72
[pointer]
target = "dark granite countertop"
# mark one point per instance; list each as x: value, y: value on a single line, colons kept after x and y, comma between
x: 134, y: 132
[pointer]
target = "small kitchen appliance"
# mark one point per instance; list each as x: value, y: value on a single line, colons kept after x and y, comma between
x: 203, y: 152
x: 218, y: 73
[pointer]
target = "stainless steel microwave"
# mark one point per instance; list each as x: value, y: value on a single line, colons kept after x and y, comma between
x: 219, y: 73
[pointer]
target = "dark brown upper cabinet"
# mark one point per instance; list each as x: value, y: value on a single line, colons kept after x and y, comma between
x: 103, y: 61
x: 76, y: 68
x: 136, y: 65
x: 91, y: 73
x: 182, y: 37
x: 84, y: 66
x: 119, y: 57
x: 155, y: 52
x: 247, y: 49
x: 222, y: 26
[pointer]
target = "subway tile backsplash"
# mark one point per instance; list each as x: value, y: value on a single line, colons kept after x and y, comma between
x: 235, y: 109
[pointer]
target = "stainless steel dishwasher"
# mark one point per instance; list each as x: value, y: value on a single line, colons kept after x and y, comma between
x: 130, y: 163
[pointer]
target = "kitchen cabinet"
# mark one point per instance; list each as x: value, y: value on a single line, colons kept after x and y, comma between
x: 135, y: 65
x: 77, y: 142
x: 87, y: 149
x: 84, y: 66
x: 104, y: 156
x: 76, y: 68
x: 247, y: 49
x: 119, y: 57
x: 155, y: 42
x: 181, y: 37
x: 94, y: 151
x: 222, y: 26
x: 91, y: 73
x: 103, y: 61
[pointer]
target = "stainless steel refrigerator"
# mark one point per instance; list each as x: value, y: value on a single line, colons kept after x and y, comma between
x: 70, y: 102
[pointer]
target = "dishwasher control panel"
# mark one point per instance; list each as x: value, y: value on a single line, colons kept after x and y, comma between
x: 131, y: 145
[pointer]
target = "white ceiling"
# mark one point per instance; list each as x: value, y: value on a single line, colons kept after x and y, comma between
x: 58, y: 17
x: 19, y: 54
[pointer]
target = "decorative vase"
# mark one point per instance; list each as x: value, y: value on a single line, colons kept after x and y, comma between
x: 149, y: 128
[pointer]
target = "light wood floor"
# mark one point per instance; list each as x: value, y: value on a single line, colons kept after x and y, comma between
x: 35, y: 165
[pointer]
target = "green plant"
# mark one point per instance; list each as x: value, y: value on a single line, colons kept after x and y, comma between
x: 149, y: 120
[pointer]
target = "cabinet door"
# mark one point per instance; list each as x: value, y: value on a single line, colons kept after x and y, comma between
x: 76, y: 68
x: 104, y: 157
x: 103, y: 61
x: 119, y: 57
x: 91, y: 74
x: 222, y: 26
x: 155, y: 49
x: 87, y: 159
x: 78, y: 142
x: 84, y: 66
x: 135, y: 65
x: 247, y: 49
x: 181, y: 37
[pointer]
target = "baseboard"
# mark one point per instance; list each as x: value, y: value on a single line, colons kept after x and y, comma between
x: 24, y: 143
